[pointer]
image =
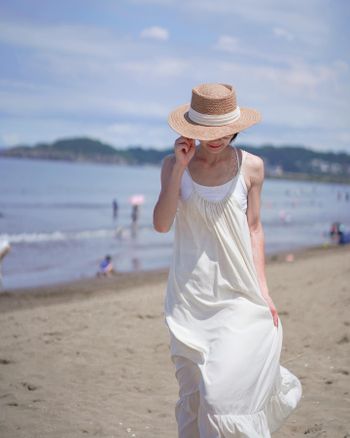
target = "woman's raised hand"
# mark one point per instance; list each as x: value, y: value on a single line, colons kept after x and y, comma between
x: 184, y: 150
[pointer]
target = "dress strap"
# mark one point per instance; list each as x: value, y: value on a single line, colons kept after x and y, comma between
x: 238, y: 163
x: 233, y: 180
x: 244, y: 156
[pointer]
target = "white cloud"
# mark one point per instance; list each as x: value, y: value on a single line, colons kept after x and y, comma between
x: 74, y: 39
x: 10, y: 138
x: 227, y: 43
x: 79, y: 104
x: 301, y: 16
x: 78, y: 53
x: 295, y: 78
x: 155, y: 33
x: 283, y: 33
x: 161, y: 67
x: 343, y: 137
x: 158, y: 136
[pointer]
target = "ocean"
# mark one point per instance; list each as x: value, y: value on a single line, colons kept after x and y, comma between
x: 58, y: 218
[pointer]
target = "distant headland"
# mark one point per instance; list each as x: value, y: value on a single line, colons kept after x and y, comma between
x: 283, y: 162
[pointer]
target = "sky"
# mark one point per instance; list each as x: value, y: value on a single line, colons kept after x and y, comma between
x: 112, y: 70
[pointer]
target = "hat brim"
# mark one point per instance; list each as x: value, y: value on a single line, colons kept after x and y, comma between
x: 179, y: 121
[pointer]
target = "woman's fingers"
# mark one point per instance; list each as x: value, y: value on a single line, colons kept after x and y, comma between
x: 184, y: 143
x: 186, y: 140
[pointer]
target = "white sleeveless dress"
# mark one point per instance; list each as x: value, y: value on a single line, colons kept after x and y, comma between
x: 223, y: 342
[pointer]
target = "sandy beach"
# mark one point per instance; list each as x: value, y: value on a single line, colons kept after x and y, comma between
x: 91, y: 358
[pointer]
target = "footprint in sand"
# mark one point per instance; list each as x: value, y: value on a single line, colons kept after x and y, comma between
x: 53, y: 333
x: 148, y: 316
x: 53, y: 336
x: 29, y: 386
x: 5, y: 361
x: 314, y: 428
x: 345, y: 372
x: 343, y: 340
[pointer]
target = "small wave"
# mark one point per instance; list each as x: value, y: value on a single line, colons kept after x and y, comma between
x: 53, y: 205
x: 55, y: 236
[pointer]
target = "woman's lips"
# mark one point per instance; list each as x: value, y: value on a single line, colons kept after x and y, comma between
x: 214, y: 146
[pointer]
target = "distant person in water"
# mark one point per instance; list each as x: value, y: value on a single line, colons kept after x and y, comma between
x: 338, y: 233
x: 115, y: 208
x: 106, y: 267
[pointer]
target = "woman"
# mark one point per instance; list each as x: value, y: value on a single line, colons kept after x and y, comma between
x: 225, y: 333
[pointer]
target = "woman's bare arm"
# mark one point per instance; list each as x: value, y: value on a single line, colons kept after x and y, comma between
x: 165, y: 208
x: 256, y: 173
x: 173, y: 167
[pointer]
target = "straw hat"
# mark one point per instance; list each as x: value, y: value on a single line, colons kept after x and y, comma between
x: 213, y: 113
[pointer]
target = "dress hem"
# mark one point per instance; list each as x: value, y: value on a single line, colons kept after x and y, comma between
x: 285, y: 396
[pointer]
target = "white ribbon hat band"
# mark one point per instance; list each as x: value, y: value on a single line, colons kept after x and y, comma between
x: 214, y: 119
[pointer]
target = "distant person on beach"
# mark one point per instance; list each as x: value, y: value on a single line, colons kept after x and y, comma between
x: 5, y: 248
x: 135, y: 200
x: 225, y: 332
x: 338, y: 234
x: 115, y: 208
x: 135, y: 213
x: 134, y: 220
x: 106, y: 267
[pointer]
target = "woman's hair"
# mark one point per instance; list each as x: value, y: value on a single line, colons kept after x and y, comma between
x: 233, y: 137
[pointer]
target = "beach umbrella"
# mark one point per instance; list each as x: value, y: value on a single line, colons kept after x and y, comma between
x: 137, y: 199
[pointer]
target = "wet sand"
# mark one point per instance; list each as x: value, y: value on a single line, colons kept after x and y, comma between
x: 91, y: 357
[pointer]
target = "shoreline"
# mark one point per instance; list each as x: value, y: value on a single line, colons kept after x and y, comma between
x: 63, y: 292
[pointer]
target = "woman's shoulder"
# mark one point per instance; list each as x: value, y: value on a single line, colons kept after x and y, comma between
x: 252, y: 161
x: 252, y: 167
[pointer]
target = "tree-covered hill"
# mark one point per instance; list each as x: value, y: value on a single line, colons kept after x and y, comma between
x: 76, y: 149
